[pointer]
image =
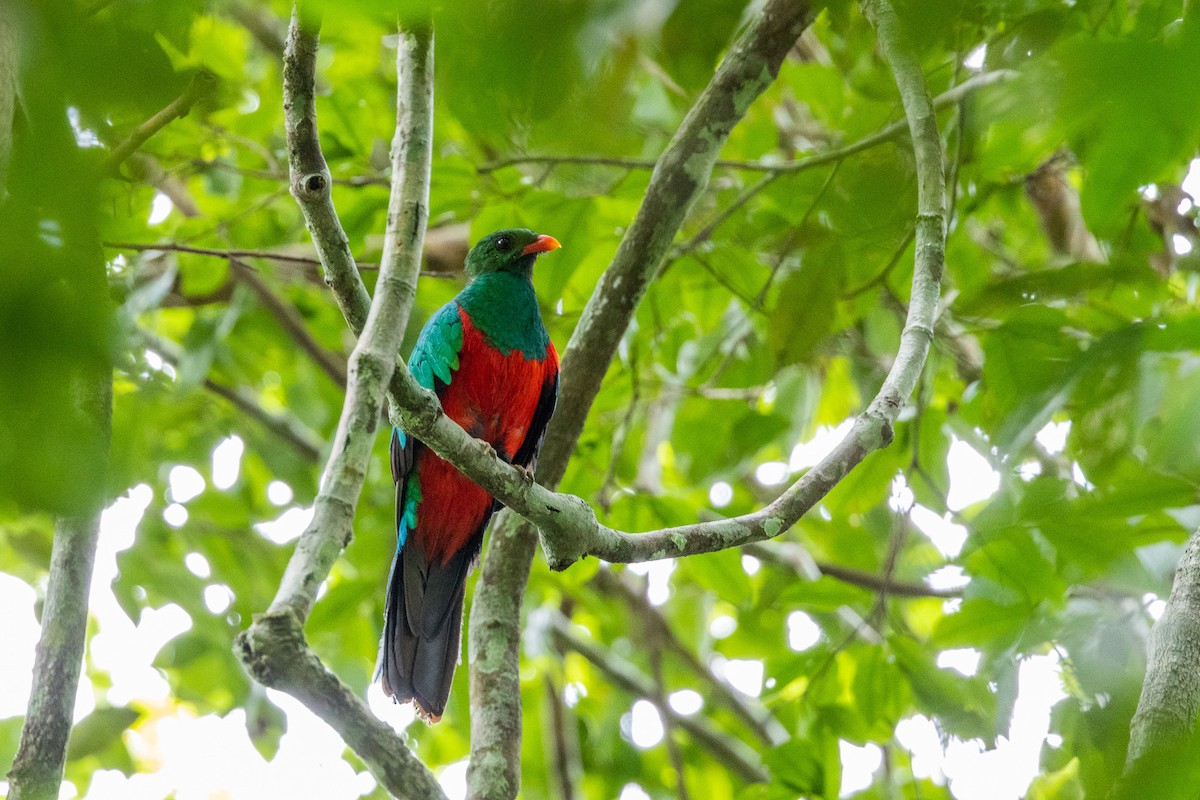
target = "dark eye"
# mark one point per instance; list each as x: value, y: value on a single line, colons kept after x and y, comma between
x: 504, y: 244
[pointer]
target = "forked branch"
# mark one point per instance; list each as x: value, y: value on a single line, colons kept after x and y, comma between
x: 273, y: 648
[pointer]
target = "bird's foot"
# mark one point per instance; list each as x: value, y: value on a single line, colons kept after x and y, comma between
x: 487, y: 448
x: 526, y: 474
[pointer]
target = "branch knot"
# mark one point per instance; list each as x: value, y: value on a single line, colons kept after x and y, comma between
x: 312, y: 186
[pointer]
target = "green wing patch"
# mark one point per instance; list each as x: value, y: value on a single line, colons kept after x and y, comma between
x: 435, y: 355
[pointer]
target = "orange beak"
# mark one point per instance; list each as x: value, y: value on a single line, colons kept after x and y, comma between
x: 542, y: 244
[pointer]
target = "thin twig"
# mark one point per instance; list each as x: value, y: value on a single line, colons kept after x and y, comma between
x: 175, y: 247
x: 730, y: 752
x: 356, y: 181
x: 943, y: 100
x: 797, y: 560
x: 202, y: 84
x: 266, y: 255
x: 755, y: 716
x: 334, y: 366
x: 290, y: 430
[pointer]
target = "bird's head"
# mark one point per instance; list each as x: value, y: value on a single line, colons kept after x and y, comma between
x: 513, y: 250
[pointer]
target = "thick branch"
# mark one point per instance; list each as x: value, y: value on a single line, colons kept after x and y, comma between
x: 678, y: 180
x: 371, y: 366
x: 412, y: 156
x: 310, y: 179
x: 276, y: 654
x: 730, y: 752
x: 202, y: 84
x: 494, y: 636
x: 1170, y: 701
x: 37, y: 770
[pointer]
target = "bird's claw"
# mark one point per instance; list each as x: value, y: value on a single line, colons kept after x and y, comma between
x: 526, y: 474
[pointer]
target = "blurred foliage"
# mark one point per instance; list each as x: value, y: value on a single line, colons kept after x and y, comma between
x: 753, y: 339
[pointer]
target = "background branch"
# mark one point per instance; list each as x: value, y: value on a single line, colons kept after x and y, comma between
x: 944, y: 100
x: 756, y: 717
x: 795, y: 558
x: 203, y: 83
x: 290, y: 430
x: 730, y: 752
x: 333, y: 365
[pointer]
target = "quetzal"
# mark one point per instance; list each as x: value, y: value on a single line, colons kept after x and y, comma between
x: 487, y: 356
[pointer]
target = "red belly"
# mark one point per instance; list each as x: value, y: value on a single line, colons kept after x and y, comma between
x: 493, y: 397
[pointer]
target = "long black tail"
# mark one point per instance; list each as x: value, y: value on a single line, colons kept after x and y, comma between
x: 422, y: 628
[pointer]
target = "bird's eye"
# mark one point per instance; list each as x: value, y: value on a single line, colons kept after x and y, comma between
x: 503, y: 244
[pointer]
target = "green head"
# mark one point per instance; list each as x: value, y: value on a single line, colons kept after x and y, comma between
x: 513, y: 250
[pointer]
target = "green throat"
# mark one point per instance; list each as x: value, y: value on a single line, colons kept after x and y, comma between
x: 504, y: 308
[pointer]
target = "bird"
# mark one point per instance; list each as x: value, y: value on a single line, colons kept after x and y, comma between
x: 487, y: 356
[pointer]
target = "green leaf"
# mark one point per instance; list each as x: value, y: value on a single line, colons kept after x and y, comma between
x: 1062, y: 784
x: 99, y: 730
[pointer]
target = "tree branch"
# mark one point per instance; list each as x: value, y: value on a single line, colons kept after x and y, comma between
x: 310, y: 178
x: 412, y: 158
x: 305, y: 442
x: 175, y: 247
x: 730, y: 752
x: 276, y: 655
x: 679, y: 178
x: 562, y: 743
x: 202, y: 84
x: 277, y: 256
x: 37, y: 769
x: 943, y: 100
x: 332, y: 364
x: 756, y: 717
x: 1167, y: 710
x: 274, y: 641
x: 797, y: 559
x: 10, y: 86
